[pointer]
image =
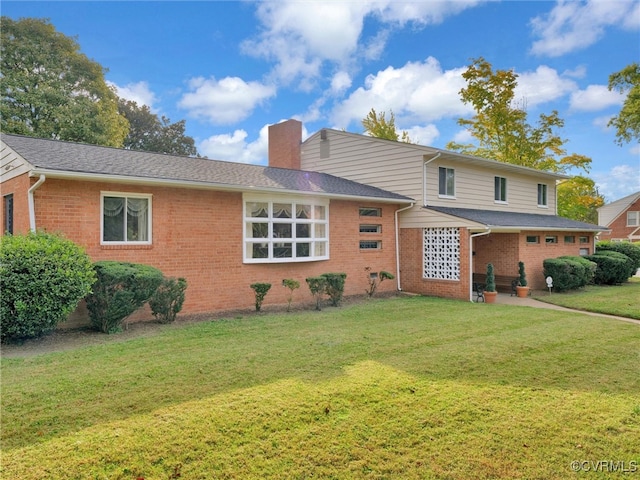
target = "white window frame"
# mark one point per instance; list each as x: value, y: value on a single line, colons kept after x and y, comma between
x: 447, y: 193
x: 543, y: 193
x: 631, y: 222
x: 127, y: 195
x: 316, y: 241
x: 500, y: 187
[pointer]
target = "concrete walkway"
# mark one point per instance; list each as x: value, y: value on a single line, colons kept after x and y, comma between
x: 506, y: 299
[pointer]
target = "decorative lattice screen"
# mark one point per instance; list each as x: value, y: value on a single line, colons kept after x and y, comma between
x: 442, y: 253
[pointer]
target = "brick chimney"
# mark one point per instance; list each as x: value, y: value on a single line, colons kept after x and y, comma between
x: 284, y: 144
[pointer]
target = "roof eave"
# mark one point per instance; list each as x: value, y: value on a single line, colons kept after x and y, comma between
x: 163, y: 182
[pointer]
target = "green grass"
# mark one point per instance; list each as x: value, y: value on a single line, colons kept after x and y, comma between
x: 621, y: 300
x: 397, y: 388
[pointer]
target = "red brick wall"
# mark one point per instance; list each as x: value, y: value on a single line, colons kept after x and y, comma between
x: 411, y: 267
x: 619, y: 229
x: 505, y: 250
x: 197, y: 234
x: 19, y: 187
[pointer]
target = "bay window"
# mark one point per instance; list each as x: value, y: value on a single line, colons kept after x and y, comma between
x: 285, y: 230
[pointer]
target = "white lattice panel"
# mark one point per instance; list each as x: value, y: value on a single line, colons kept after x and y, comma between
x: 442, y: 253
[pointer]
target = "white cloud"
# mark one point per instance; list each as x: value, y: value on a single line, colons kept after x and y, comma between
x: 301, y: 36
x: 224, y: 101
x: 594, y: 98
x: 620, y: 181
x: 541, y: 86
x: 463, y: 136
x: 340, y: 82
x: 136, y: 92
x: 572, y: 25
x: 423, y: 135
x: 602, y: 122
x: 235, y: 148
x: 417, y: 92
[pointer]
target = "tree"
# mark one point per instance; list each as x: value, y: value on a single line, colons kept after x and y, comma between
x: 503, y: 133
x: 152, y: 134
x: 50, y: 89
x: 578, y: 198
x: 627, y: 122
x: 376, y: 125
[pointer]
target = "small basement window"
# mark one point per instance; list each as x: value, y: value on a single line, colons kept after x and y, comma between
x: 370, y: 228
x: 551, y: 239
x: 533, y: 239
x: 370, y: 245
x: 370, y: 212
x: 569, y: 239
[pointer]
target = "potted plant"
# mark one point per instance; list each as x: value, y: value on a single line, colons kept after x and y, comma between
x: 522, y: 290
x: 490, y: 292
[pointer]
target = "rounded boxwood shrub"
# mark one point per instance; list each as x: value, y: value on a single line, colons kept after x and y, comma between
x: 581, y: 270
x: 631, y: 250
x: 42, y: 278
x: 613, y: 267
x: 168, y: 299
x: 121, y: 288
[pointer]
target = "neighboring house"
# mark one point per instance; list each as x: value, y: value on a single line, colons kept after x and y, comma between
x: 337, y: 202
x: 622, y: 217
x: 221, y: 225
x: 469, y: 211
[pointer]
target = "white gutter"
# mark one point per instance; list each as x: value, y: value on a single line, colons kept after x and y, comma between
x: 471, y: 237
x: 424, y: 178
x: 397, y: 225
x: 32, y: 208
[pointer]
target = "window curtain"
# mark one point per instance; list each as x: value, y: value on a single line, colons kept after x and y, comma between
x: 138, y: 219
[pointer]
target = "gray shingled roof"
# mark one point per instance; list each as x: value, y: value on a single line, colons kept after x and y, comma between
x: 66, y: 157
x: 527, y: 221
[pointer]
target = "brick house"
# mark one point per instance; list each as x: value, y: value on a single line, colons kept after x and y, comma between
x: 337, y: 202
x: 622, y: 217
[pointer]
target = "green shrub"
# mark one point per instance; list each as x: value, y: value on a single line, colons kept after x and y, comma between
x: 121, y: 288
x: 260, y: 290
x: 631, y: 250
x: 291, y: 285
x: 375, y: 279
x: 613, y: 267
x: 491, y: 279
x: 566, y: 272
x: 334, y: 286
x: 42, y: 279
x: 581, y: 271
x: 167, y: 300
x: 522, y: 275
x: 317, y: 286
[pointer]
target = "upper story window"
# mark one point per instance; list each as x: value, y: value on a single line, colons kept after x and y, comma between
x: 633, y: 219
x: 126, y: 218
x: 446, y: 182
x: 500, y: 190
x: 285, y: 230
x: 542, y: 195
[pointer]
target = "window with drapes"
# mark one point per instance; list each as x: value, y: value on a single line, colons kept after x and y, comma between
x: 126, y: 218
x: 294, y: 230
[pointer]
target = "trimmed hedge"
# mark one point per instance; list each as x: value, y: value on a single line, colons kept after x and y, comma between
x: 613, y: 267
x: 42, y: 278
x: 569, y: 272
x: 334, y: 286
x: 631, y: 250
x: 168, y: 299
x: 121, y: 288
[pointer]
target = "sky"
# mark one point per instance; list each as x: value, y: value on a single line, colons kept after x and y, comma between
x: 232, y: 68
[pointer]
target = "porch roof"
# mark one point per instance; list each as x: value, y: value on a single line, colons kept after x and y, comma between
x: 514, y: 221
x: 60, y: 159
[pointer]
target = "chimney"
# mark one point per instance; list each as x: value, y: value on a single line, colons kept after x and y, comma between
x: 284, y: 144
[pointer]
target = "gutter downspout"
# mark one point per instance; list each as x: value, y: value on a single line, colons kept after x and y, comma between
x: 398, y: 243
x: 471, y: 237
x: 32, y: 208
x: 424, y: 178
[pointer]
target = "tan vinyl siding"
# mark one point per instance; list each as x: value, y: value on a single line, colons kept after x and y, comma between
x: 11, y: 164
x: 387, y: 165
x: 474, y: 188
x: 418, y: 217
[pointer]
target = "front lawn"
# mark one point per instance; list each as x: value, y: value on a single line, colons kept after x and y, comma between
x: 408, y: 387
x: 622, y: 300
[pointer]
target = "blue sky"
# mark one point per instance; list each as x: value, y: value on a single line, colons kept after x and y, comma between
x: 230, y: 69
